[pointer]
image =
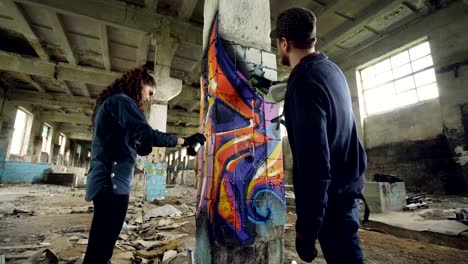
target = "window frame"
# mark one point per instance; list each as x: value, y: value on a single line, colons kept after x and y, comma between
x: 395, y: 106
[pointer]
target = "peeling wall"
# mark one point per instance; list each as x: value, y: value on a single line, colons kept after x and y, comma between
x: 425, y: 144
x: 24, y: 172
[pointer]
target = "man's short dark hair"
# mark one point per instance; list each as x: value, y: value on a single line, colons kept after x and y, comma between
x: 297, y: 25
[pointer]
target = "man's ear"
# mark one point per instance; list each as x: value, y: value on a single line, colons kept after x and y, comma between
x: 285, y: 45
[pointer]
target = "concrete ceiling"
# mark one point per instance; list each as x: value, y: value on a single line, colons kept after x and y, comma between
x: 57, y: 56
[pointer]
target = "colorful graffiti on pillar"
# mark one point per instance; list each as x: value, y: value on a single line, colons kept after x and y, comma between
x: 240, y: 186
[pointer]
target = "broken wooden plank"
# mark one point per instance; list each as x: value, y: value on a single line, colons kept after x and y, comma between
x: 171, y: 245
x: 24, y: 247
x: 24, y: 255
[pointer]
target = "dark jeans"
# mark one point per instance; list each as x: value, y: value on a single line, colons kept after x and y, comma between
x: 338, y: 236
x: 109, y: 214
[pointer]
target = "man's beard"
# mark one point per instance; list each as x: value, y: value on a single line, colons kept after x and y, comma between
x: 285, y: 60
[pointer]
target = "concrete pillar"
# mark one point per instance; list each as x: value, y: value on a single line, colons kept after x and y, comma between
x: 35, y: 140
x: 6, y: 133
x: 155, y: 166
x: 241, y: 208
x: 55, y: 147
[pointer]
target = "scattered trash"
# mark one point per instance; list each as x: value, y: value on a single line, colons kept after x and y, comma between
x: 7, y: 208
x: 461, y: 216
x: 82, y: 242
x: 124, y: 226
x: 72, y: 229
x: 148, y: 245
x: 415, y: 202
x: 162, y: 211
x: 43, y: 256
x: 172, y: 226
x: 169, y: 255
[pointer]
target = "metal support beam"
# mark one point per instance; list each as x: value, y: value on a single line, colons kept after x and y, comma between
x: 13, y: 10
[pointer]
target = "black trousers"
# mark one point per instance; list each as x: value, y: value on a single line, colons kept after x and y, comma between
x: 339, y: 237
x: 109, y: 214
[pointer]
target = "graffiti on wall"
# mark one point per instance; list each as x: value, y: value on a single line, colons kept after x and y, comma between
x: 240, y: 185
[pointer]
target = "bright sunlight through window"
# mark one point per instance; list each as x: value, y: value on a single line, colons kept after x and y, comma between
x: 400, y: 80
x: 19, y: 132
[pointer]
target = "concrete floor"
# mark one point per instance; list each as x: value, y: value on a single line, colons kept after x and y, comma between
x: 48, y: 212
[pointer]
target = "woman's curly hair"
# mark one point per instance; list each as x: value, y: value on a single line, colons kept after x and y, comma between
x: 131, y: 84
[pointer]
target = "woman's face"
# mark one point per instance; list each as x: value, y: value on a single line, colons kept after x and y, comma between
x: 147, y: 92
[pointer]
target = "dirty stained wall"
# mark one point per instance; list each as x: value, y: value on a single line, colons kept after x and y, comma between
x: 425, y: 144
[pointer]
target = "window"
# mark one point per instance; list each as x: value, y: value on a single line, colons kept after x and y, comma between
x: 46, y: 138
x: 19, y: 134
x: 62, y: 142
x: 399, y: 80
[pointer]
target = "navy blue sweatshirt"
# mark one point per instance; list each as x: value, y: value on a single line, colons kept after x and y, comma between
x: 328, y: 158
x: 118, y: 124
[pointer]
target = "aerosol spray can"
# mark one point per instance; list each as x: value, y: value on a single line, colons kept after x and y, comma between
x: 193, y: 149
x: 190, y: 256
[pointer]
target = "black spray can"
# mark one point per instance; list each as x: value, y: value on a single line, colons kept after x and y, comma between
x: 193, y: 149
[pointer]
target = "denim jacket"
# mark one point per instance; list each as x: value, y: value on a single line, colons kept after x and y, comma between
x: 118, y: 124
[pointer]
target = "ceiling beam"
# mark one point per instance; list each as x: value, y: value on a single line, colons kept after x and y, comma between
x: 48, y: 116
x: 65, y: 87
x: 142, y: 49
x: 188, y: 93
x: 17, y: 63
x: 181, y: 131
x: 62, y: 37
x: 120, y: 14
x: 85, y: 74
x: 178, y: 116
x: 80, y: 136
x: 376, y: 9
x: 85, y: 103
x: 34, y: 83
x: 84, y: 89
x: 13, y: 10
x: 60, y: 71
x: 73, y: 128
x: 51, y: 99
x: 195, y: 106
x: 104, y: 46
x: 83, y: 123
x: 330, y: 7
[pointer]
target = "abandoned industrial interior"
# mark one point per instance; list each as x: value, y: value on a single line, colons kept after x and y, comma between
x: 406, y: 65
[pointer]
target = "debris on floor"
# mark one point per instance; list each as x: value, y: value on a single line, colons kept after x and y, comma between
x: 150, y: 233
x: 55, y: 221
